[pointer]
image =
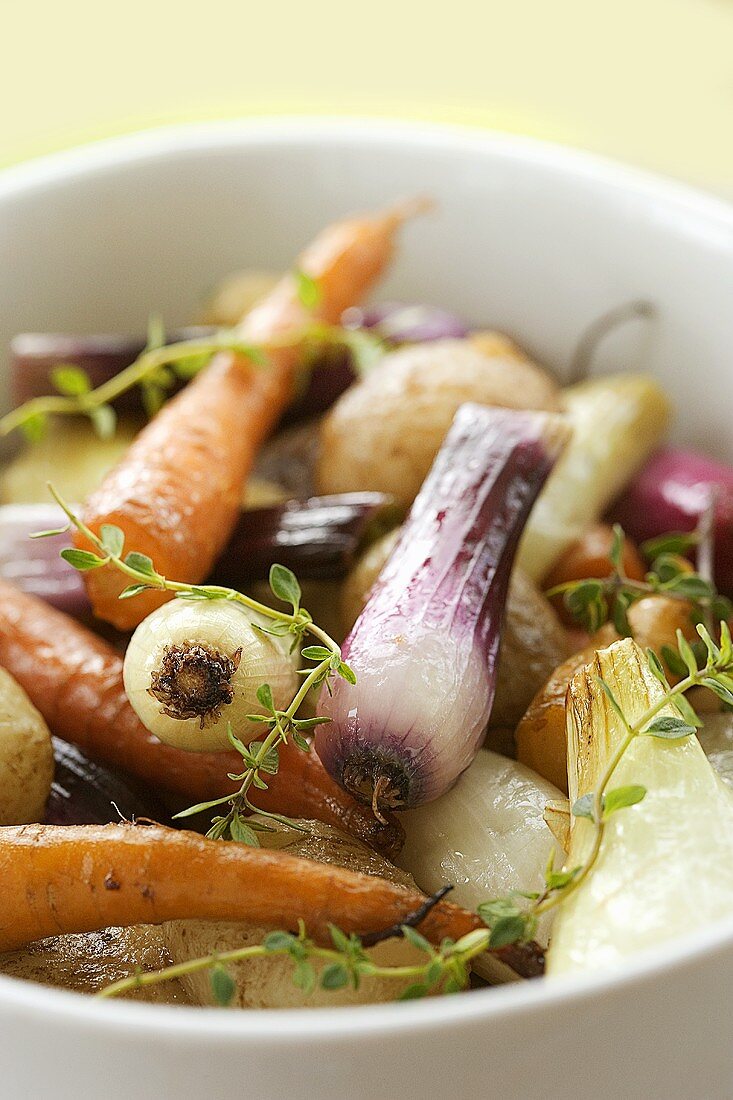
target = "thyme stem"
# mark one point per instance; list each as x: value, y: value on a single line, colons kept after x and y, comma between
x: 552, y: 897
x: 299, y: 621
x: 428, y: 972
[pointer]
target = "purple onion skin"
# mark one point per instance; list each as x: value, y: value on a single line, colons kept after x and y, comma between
x: 424, y: 649
x: 399, y: 323
x: 330, y: 376
x: 396, y: 323
x: 34, y: 565
x: 671, y: 493
x: 318, y: 538
x: 83, y: 793
x: 33, y: 355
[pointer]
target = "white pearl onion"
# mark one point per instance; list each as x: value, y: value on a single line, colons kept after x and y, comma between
x: 225, y: 627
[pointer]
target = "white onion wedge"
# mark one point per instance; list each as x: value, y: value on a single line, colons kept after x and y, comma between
x: 665, y: 868
x: 487, y: 836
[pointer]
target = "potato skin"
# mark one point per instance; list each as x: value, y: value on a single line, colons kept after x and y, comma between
x: 268, y: 982
x: 385, y: 431
x: 533, y: 644
x: 26, y: 756
x: 86, y: 962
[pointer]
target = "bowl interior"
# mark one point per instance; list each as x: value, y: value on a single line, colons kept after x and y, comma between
x: 536, y: 241
x: 530, y: 239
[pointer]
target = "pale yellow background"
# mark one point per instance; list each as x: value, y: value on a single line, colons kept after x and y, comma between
x: 648, y: 81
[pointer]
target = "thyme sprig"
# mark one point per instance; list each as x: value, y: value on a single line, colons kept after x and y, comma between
x: 445, y: 969
x: 160, y: 366
x: 594, y: 601
x: 155, y: 370
x: 513, y: 919
x: 259, y: 757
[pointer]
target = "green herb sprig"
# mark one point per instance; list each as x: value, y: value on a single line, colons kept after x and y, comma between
x: 260, y: 757
x: 159, y: 367
x: 155, y: 370
x: 594, y: 601
x: 514, y: 919
x: 445, y: 969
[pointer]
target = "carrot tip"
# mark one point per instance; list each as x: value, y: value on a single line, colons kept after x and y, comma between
x: 412, y: 207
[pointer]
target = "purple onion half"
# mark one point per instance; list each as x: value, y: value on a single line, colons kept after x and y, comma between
x: 34, y: 565
x: 424, y: 650
x: 318, y: 539
x: 33, y: 355
x: 400, y: 323
x: 85, y: 793
x: 671, y: 493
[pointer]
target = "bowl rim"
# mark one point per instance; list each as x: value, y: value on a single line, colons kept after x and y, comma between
x: 704, y: 212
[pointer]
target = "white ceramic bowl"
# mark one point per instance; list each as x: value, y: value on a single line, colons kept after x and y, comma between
x: 536, y: 240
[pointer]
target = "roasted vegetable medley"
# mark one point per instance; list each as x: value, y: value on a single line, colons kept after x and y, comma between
x: 349, y: 655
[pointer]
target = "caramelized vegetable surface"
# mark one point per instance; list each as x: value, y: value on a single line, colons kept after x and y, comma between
x: 75, y: 680
x: 86, y: 877
x: 176, y: 493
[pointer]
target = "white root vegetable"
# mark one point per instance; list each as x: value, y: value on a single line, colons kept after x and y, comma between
x: 617, y: 423
x: 26, y: 756
x: 71, y: 455
x: 385, y: 431
x: 533, y: 641
x: 194, y: 667
x: 268, y: 982
x: 665, y: 867
x: 487, y: 836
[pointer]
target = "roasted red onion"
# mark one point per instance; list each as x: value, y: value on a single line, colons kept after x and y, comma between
x: 424, y: 650
x: 34, y: 565
x: 33, y: 355
x: 399, y: 323
x: 85, y: 793
x: 317, y: 538
x: 671, y: 493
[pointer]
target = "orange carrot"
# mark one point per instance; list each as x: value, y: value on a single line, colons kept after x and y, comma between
x: 75, y: 680
x: 590, y: 557
x: 79, y: 878
x: 177, y: 491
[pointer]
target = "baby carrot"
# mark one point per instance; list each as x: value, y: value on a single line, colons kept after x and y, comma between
x: 75, y: 679
x: 79, y: 878
x: 177, y: 491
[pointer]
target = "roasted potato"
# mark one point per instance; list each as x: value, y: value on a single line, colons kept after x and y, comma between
x: 268, y: 982
x: 26, y: 756
x: 385, y: 431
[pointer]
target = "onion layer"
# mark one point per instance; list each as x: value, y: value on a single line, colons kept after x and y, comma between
x: 424, y: 650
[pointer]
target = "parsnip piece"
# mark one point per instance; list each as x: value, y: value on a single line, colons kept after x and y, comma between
x: 26, y: 756
x: 487, y: 836
x: 617, y: 422
x: 235, y: 295
x: 71, y: 455
x: 665, y: 867
x: 268, y: 982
